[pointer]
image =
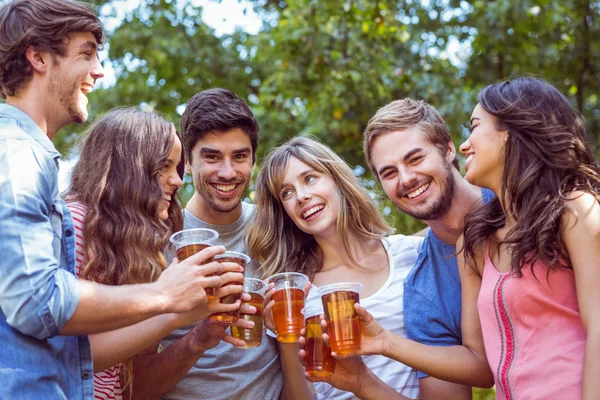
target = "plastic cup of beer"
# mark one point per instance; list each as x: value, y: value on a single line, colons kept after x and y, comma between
x: 253, y: 337
x: 318, y: 359
x: 242, y: 260
x: 190, y: 241
x: 343, y: 324
x: 289, y: 302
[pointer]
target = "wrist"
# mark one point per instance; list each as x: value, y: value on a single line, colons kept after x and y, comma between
x: 360, y: 386
x: 385, y: 343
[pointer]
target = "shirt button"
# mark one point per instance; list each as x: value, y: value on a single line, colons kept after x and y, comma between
x: 85, y: 375
x: 69, y: 233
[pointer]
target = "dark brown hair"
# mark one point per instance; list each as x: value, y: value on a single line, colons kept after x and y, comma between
x: 117, y: 178
x: 216, y: 111
x: 404, y: 114
x: 43, y: 24
x: 547, y: 157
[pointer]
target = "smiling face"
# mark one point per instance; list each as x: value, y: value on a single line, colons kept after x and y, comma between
x: 415, y: 175
x: 484, y: 150
x: 310, y: 198
x: 72, y: 76
x: 221, y: 167
x: 169, y: 178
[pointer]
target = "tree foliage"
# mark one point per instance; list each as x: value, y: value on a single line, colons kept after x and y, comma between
x: 325, y: 67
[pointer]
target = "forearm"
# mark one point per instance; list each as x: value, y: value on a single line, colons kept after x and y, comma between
x: 457, y: 364
x: 110, y: 348
x: 156, y: 374
x: 295, y: 386
x: 103, y: 308
x: 591, y: 366
x: 370, y: 387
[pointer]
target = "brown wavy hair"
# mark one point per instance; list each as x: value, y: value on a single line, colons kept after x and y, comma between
x: 276, y: 242
x: 547, y: 157
x: 43, y: 24
x: 117, y: 178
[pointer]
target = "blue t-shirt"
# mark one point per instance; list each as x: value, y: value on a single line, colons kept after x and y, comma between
x: 432, y: 295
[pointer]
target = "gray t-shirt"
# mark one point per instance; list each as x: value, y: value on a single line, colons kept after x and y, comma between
x: 226, y: 372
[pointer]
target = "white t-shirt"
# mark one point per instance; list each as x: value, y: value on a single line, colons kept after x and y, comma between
x: 386, y: 306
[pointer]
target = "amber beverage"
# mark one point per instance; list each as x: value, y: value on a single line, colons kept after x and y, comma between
x: 242, y: 260
x: 318, y: 359
x: 190, y: 241
x: 343, y: 324
x: 253, y: 337
x: 289, y: 302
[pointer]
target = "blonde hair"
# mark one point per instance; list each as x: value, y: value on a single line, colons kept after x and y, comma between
x: 276, y: 242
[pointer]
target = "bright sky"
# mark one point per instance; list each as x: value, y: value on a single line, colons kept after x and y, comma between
x: 224, y: 16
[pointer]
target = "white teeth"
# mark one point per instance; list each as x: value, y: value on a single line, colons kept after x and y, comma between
x: 469, y: 158
x: 312, y: 211
x: 417, y: 192
x: 225, y: 188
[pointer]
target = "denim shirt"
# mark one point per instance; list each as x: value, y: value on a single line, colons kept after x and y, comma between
x: 38, y: 288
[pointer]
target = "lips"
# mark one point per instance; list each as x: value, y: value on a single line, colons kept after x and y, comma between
x: 309, y: 211
x: 86, y: 88
x: 225, y: 188
x: 418, y: 191
x: 469, y: 156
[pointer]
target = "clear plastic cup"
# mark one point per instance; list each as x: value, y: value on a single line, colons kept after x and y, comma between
x: 289, y: 302
x: 318, y: 360
x: 242, y: 260
x: 256, y: 288
x: 190, y: 241
x: 343, y: 324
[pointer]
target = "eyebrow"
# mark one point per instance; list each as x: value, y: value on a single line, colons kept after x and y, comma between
x: 244, y: 150
x: 301, y: 175
x: 208, y: 150
x: 408, y: 155
x: 89, y: 45
x: 473, y: 119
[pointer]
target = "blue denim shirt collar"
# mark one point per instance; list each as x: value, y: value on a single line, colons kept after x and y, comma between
x: 29, y: 126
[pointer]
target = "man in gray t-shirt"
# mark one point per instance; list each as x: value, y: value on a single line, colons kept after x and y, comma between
x: 220, y: 137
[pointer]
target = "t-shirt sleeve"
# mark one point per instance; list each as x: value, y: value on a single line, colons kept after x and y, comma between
x: 78, y: 211
x: 426, y: 323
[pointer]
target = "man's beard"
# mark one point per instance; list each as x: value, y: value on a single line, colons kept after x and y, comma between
x: 440, y: 207
x: 68, y: 98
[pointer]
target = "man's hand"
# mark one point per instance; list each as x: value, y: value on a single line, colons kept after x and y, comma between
x: 181, y: 285
x: 374, y: 339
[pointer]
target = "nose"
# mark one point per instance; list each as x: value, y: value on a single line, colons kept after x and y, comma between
x: 175, y: 181
x: 465, y: 146
x: 226, y: 171
x: 302, y: 196
x: 406, y: 177
x: 97, y: 71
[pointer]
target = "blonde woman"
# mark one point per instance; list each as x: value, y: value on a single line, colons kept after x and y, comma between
x: 313, y: 216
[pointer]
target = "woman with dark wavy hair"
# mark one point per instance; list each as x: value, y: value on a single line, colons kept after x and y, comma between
x: 123, y: 198
x: 531, y: 255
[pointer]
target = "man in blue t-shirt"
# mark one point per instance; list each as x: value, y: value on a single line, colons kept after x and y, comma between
x: 409, y: 149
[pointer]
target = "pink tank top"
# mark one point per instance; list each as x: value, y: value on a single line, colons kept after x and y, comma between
x: 532, y: 330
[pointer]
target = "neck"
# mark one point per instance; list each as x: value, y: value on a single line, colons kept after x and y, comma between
x: 34, y: 107
x: 449, y: 227
x: 334, y: 253
x: 201, y: 210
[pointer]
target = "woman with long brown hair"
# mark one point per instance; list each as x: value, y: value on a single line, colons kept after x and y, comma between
x: 123, y: 198
x: 531, y: 255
